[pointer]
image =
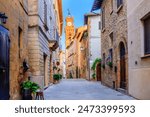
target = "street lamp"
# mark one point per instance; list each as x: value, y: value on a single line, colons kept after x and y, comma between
x: 3, y: 18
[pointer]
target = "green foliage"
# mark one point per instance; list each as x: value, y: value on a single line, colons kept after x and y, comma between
x: 34, y: 87
x: 94, y: 75
x: 60, y: 76
x: 30, y: 85
x: 110, y: 64
x: 98, y: 60
x: 57, y: 77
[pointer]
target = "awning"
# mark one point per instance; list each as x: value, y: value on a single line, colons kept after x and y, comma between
x: 97, y: 4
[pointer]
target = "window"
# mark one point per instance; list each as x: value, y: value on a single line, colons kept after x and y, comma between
x: 111, y: 54
x: 103, y: 18
x: 147, y: 35
x: 45, y: 13
x: 20, y: 36
x: 99, y: 24
x: 119, y: 3
x: 45, y: 16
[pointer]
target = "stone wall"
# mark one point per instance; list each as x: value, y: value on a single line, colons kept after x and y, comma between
x: 17, y: 13
x: 39, y: 38
x: 115, y: 23
x: 71, y: 60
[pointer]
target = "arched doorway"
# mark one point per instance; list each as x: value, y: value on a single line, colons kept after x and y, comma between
x: 4, y: 63
x: 122, y: 66
x: 98, y: 72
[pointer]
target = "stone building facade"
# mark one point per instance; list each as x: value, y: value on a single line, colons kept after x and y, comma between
x: 93, y: 22
x: 62, y: 64
x: 82, y: 38
x: 72, y: 60
x: 43, y: 35
x: 114, y: 44
x: 31, y: 33
x: 69, y: 33
x: 17, y: 25
x: 139, y: 48
x: 55, y: 44
x: 76, y: 58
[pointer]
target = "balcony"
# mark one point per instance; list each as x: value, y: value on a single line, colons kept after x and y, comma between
x: 54, y: 39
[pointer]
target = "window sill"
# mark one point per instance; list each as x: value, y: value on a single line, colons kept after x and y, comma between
x: 119, y: 8
x: 145, y: 56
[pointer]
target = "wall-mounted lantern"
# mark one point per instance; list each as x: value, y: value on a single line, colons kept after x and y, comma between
x: 3, y: 18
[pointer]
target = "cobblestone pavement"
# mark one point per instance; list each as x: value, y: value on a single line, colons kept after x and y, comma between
x: 80, y: 89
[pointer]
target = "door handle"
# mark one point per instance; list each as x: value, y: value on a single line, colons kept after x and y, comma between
x: 3, y: 71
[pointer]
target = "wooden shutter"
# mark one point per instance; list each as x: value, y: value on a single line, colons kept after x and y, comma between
x: 103, y: 18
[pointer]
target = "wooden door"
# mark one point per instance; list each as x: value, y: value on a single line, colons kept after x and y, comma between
x: 98, y: 72
x: 122, y: 67
x: 4, y: 64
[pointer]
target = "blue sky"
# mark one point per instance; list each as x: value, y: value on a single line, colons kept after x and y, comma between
x: 77, y: 8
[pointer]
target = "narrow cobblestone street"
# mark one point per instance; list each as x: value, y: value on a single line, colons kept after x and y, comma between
x: 80, y: 89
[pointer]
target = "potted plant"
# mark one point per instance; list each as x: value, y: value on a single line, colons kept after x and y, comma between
x: 60, y: 76
x: 56, y: 78
x: 27, y: 88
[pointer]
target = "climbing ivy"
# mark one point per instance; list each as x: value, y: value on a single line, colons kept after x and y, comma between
x: 98, y: 60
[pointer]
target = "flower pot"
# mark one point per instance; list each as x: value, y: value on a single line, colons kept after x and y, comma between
x: 27, y: 94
